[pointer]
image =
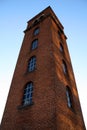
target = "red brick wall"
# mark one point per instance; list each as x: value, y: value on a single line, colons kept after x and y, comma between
x: 49, y: 110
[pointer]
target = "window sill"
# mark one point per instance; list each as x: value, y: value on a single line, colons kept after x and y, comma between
x: 29, y: 72
x: 24, y: 106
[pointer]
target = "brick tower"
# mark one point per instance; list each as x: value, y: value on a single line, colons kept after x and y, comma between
x: 43, y: 93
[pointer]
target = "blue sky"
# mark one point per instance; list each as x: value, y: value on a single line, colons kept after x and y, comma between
x: 13, y: 21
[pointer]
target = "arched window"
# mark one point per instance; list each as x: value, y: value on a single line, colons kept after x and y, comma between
x: 27, y: 96
x: 36, y: 31
x: 32, y: 64
x: 61, y: 48
x: 34, y: 44
x: 59, y: 34
x: 64, y: 67
x: 68, y: 95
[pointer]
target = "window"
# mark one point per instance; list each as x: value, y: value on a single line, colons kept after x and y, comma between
x: 34, y: 44
x: 42, y: 16
x: 32, y: 64
x: 64, y: 67
x: 59, y: 34
x: 28, y: 91
x: 36, y: 31
x: 61, y: 48
x: 68, y: 94
x: 36, y: 21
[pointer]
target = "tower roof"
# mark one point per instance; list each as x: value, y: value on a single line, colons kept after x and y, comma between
x: 48, y: 12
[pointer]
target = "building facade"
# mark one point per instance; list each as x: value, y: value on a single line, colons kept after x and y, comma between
x: 43, y: 93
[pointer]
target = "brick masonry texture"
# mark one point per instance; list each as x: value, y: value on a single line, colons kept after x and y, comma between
x: 49, y: 110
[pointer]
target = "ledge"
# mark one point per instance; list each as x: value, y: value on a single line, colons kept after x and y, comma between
x: 24, y: 106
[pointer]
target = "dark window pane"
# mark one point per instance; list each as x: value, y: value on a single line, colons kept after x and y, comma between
x: 27, y: 97
x: 36, y: 31
x: 32, y: 64
x: 68, y: 94
x: 34, y: 44
x: 64, y: 67
x: 61, y: 48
